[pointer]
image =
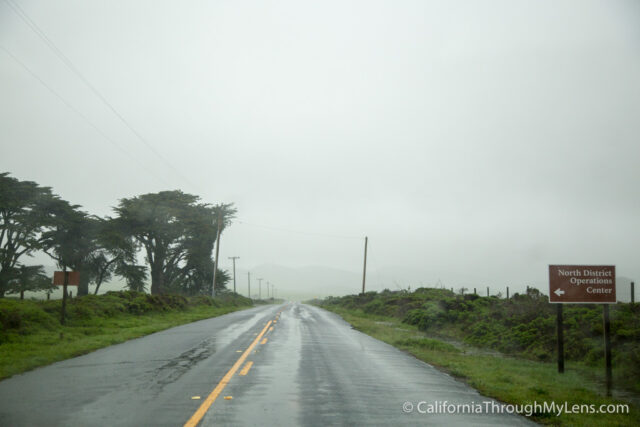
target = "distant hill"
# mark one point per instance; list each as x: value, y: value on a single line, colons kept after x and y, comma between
x: 300, y: 283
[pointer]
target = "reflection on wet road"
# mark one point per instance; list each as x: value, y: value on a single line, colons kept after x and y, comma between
x: 281, y: 365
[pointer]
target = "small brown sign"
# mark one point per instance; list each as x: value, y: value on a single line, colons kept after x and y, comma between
x: 74, y: 278
x: 582, y: 284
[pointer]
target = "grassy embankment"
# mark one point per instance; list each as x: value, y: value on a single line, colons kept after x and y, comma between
x: 31, y: 334
x: 468, y: 338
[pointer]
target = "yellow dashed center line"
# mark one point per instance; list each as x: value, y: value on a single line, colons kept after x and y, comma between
x: 264, y: 341
x: 204, y: 407
x: 246, y: 368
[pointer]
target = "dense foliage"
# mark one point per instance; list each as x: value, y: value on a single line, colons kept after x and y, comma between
x: 524, y: 325
x: 174, y: 230
x: 22, y: 221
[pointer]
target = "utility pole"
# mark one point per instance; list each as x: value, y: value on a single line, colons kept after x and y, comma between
x: 267, y: 290
x: 364, y: 271
x: 260, y: 288
x: 215, y: 264
x: 234, y: 258
x: 249, y: 283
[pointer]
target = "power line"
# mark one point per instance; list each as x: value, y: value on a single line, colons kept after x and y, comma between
x: 76, y: 111
x: 51, y: 45
x: 111, y: 141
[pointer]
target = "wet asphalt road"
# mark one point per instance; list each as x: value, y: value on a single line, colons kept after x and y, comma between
x: 313, y: 369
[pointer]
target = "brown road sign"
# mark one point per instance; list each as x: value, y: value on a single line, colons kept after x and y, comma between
x: 582, y: 284
x: 74, y: 278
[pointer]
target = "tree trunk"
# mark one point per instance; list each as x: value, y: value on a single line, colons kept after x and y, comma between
x: 157, y: 280
x: 102, y: 273
x: 99, y: 282
x: 83, y: 286
x: 21, y: 294
x: 3, y: 282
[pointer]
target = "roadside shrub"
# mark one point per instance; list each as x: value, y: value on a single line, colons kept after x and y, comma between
x: 23, y: 316
x: 80, y: 311
x: 431, y: 314
x: 201, y: 300
x: 418, y: 317
x: 376, y: 306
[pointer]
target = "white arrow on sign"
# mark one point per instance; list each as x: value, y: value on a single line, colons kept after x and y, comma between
x: 559, y: 292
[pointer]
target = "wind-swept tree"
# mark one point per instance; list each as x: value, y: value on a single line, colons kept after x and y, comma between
x: 23, y: 217
x: 197, y: 273
x: 135, y: 275
x: 115, y: 253
x: 71, y: 240
x: 29, y: 278
x: 176, y: 233
x: 199, y: 279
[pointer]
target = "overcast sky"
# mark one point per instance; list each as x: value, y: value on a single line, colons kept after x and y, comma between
x: 472, y: 141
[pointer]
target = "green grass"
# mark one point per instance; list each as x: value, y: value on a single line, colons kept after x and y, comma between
x: 508, y: 379
x: 31, y: 335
